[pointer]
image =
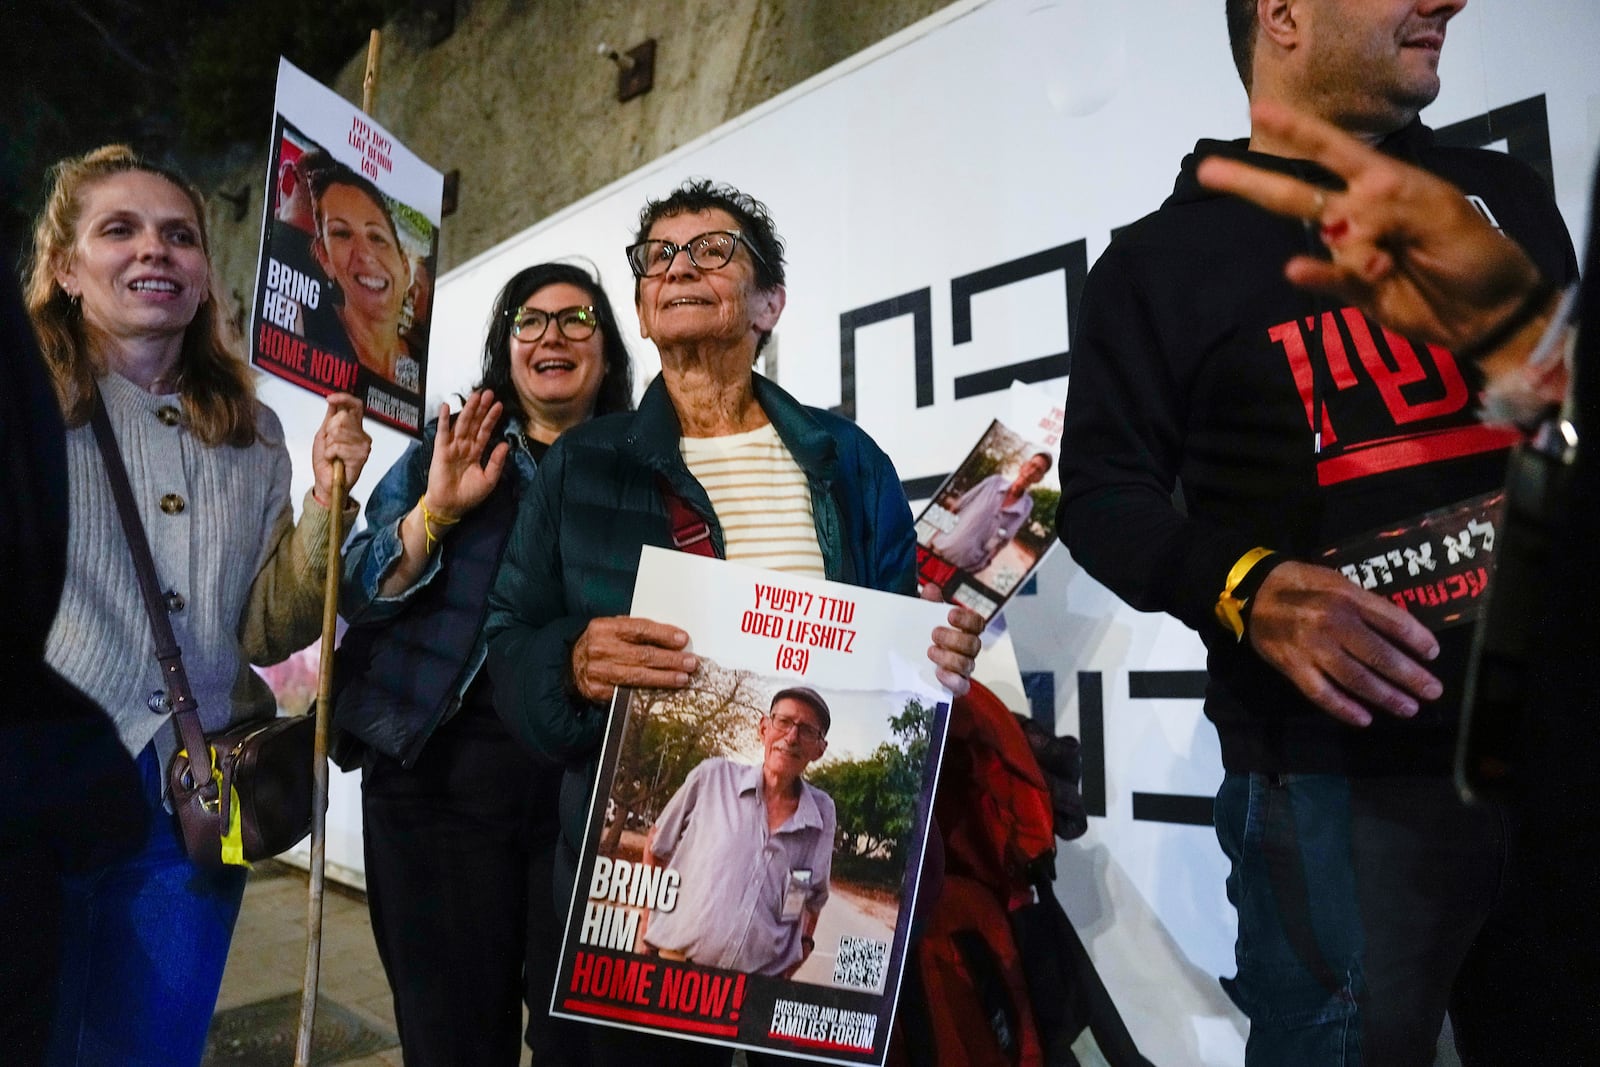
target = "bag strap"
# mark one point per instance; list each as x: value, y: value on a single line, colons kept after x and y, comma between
x: 690, y: 532
x: 185, y: 711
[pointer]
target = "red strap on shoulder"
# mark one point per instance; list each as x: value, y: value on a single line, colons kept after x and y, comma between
x: 690, y: 533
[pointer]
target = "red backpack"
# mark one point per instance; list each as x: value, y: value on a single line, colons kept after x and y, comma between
x: 998, y: 977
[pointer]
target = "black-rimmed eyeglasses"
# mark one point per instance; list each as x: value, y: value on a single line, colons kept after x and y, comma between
x: 575, y: 323
x: 709, y: 251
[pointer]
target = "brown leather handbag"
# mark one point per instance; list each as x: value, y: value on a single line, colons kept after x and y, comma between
x: 265, y: 763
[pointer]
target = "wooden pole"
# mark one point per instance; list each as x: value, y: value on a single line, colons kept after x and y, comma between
x: 319, y: 765
x: 369, y: 80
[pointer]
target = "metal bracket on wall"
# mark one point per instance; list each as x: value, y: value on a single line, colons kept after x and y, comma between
x: 636, y: 68
x: 452, y: 193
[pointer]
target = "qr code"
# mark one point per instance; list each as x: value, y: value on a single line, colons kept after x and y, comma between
x: 861, y: 963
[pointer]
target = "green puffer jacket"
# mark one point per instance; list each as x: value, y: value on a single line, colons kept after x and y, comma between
x: 595, y: 501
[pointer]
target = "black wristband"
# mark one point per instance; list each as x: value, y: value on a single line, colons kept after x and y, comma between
x: 1536, y: 301
x: 1251, y: 585
x: 1251, y: 582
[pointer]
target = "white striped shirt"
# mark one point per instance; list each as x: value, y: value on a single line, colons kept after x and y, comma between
x: 761, y: 498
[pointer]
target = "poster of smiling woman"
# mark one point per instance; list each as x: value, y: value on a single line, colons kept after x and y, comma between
x: 755, y: 839
x: 349, y: 242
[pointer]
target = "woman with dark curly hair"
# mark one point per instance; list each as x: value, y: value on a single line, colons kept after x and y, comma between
x: 460, y: 820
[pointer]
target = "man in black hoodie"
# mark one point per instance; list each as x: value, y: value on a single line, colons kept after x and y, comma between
x: 1417, y: 256
x: 1367, y: 894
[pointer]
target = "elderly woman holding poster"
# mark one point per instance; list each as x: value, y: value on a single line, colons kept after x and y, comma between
x: 716, y: 457
x: 121, y: 297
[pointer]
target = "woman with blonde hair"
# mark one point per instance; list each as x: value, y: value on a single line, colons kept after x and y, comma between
x: 122, y: 300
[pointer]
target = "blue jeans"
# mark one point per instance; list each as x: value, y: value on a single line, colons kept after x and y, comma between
x: 1367, y: 909
x: 144, y: 942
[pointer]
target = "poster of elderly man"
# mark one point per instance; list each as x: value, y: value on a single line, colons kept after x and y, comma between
x: 755, y: 841
x: 993, y: 520
x: 764, y: 821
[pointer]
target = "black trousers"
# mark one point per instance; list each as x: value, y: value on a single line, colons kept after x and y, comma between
x: 458, y: 855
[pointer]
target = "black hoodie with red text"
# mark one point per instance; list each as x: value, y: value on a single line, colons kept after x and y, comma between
x: 1196, y: 366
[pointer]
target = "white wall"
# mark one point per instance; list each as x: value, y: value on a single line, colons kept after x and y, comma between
x: 983, y: 134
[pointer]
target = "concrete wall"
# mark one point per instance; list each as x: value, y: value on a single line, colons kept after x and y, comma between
x: 517, y: 99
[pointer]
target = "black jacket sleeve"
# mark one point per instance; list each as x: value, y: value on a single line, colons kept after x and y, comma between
x: 531, y: 630
x: 1121, y: 450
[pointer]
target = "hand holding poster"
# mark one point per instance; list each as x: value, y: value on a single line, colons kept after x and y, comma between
x: 1437, y: 567
x: 993, y: 520
x: 755, y: 839
x: 349, y: 241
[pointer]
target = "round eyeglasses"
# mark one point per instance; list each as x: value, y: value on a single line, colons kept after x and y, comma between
x: 575, y: 323
x: 709, y: 251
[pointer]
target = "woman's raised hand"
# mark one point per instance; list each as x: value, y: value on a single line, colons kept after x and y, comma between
x: 458, y: 479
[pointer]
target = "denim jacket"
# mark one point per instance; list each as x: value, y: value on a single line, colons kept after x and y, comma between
x: 409, y: 658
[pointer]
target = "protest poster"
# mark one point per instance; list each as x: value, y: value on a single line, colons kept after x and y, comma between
x: 349, y: 247
x: 814, y: 710
x: 1437, y: 567
x: 993, y: 520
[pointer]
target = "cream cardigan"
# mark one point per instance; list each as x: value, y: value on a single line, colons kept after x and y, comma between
x: 224, y: 539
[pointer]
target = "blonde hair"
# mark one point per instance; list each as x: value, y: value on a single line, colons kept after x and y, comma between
x: 214, y: 384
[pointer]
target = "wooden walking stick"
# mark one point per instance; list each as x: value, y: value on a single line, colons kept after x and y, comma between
x: 319, y: 764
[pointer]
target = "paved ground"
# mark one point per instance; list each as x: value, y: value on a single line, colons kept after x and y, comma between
x: 258, y: 1007
x: 268, y: 962
x: 845, y: 915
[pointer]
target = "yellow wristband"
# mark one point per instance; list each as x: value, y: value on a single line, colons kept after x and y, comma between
x: 429, y: 520
x: 1230, y: 608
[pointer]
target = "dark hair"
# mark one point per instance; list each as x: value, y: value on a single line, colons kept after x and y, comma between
x: 322, y: 170
x: 1242, y: 36
x: 616, y: 384
x: 749, y: 214
x: 1049, y: 460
